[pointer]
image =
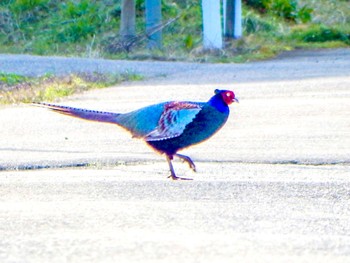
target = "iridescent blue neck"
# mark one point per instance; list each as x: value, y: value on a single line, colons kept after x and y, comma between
x: 217, y: 102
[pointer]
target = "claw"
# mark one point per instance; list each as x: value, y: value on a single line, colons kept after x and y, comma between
x: 187, y: 160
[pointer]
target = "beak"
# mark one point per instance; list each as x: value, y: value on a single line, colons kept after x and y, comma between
x: 235, y: 100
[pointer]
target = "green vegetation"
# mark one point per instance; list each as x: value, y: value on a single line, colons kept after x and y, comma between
x: 11, y: 79
x: 90, y: 29
x: 321, y: 34
x: 286, y: 9
x: 18, y: 89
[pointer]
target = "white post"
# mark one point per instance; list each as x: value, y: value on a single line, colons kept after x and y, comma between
x: 237, y: 27
x: 212, y: 32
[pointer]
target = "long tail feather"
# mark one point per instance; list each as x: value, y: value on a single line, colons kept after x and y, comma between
x: 90, y: 115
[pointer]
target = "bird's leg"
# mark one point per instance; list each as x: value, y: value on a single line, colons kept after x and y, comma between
x: 172, y: 172
x: 187, y: 160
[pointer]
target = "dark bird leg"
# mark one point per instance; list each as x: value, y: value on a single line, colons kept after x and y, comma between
x: 172, y: 172
x: 187, y: 160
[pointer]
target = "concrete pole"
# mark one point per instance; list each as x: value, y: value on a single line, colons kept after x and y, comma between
x: 212, y: 32
x: 153, y: 21
x: 233, y: 18
x: 237, y: 27
x: 228, y: 18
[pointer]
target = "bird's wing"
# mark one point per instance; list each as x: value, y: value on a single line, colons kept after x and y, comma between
x: 174, y: 119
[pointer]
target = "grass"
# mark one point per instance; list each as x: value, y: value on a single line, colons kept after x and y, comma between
x: 16, y: 89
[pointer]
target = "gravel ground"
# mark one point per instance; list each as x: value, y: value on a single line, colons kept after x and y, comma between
x: 294, y: 65
x: 272, y: 185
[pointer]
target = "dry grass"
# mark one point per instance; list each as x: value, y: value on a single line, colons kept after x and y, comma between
x: 50, y: 88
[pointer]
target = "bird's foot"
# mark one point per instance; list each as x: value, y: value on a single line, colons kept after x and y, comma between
x: 187, y: 160
x: 174, y: 177
x: 172, y: 172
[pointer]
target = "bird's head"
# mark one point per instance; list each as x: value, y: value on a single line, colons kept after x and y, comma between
x: 227, y: 96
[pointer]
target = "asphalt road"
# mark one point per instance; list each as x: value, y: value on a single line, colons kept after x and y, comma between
x: 272, y: 185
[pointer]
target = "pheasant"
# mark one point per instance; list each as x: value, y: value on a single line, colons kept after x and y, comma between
x: 167, y: 127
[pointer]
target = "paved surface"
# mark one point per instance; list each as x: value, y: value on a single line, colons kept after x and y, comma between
x: 272, y: 186
x: 295, y: 65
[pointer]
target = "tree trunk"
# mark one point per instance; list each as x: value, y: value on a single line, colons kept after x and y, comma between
x: 127, y: 27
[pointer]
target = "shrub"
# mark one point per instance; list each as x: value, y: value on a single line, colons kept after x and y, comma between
x: 77, y: 21
x: 321, y: 33
x: 288, y: 9
x: 253, y: 24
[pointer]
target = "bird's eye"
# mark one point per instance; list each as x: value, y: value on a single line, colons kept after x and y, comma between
x: 228, y: 94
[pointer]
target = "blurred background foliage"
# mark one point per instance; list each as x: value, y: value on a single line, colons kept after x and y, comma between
x: 87, y: 28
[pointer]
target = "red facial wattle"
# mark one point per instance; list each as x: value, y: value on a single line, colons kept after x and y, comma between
x: 228, y: 97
